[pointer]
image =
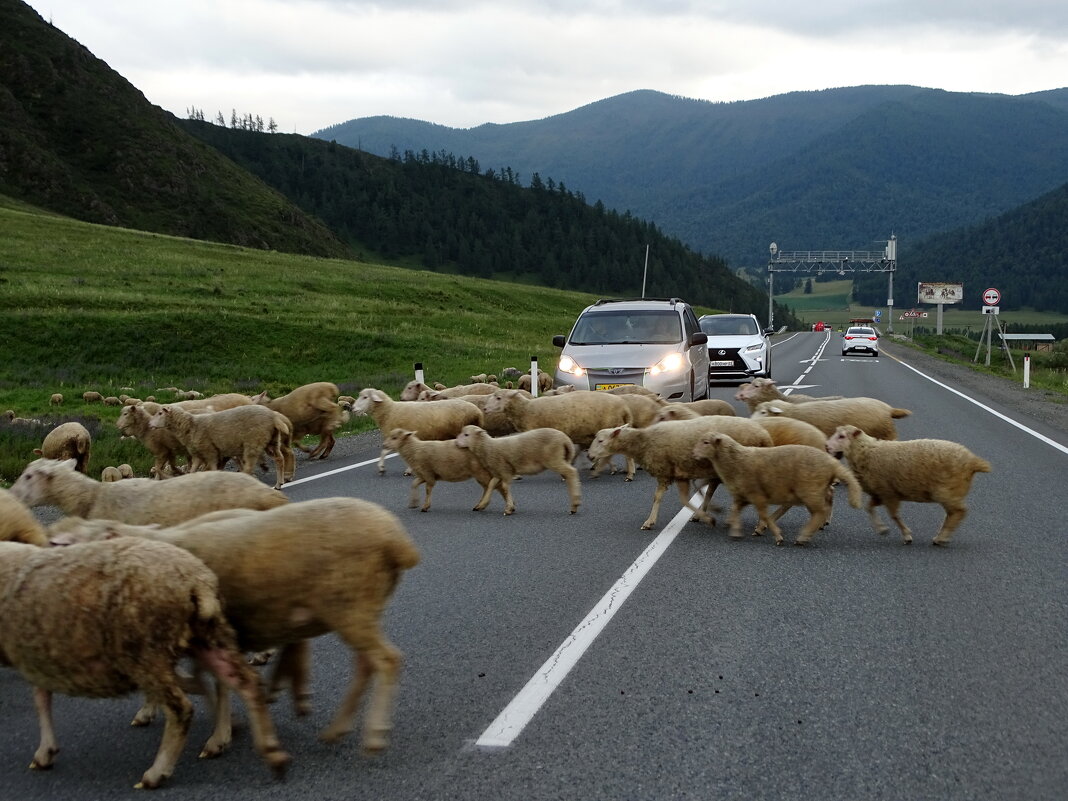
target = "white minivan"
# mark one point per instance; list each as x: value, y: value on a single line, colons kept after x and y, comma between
x: 654, y: 343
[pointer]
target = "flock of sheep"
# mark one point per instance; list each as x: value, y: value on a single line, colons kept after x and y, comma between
x: 210, y: 564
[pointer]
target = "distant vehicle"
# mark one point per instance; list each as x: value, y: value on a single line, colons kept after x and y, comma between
x: 654, y: 343
x: 819, y: 325
x: 738, y: 348
x: 861, y: 339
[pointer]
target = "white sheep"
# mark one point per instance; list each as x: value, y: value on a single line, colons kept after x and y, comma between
x: 292, y: 573
x: 872, y: 416
x: 545, y: 381
x: 68, y: 441
x: 56, y: 399
x: 413, y: 388
x: 579, y: 414
x: 788, y: 431
x: 111, y: 400
x: 760, y: 390
x: 522, y: 454
x: 494, y: 422
x: 126, y: 471
x: 92, y: 396
x: 164, y: 446
x: 170, y: 608
x: 665, y: 451
x: 693, y: 409
x: 18, y: 523
x: 921, y: 470
x: 431, y: 461
x: 245, y: 433
x: 442, y: 419
x: 782, y: 474
x: 313, y: 410
x: 110, y: 473
x: 140, y: 500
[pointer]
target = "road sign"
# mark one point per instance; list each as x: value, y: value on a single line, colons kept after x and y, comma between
x: 991, y: 297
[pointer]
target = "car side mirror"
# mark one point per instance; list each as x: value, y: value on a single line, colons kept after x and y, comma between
x: 698, y: 338
x: 769, y: 330
x: 559, y: 340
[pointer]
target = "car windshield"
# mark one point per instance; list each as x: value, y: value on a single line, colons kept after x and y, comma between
x: 618, y: 327
x: 729, y: 326
x: 860, y: 332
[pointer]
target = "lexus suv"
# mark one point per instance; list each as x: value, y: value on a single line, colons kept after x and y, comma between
x: 654, y: 343
x: 738, y: 349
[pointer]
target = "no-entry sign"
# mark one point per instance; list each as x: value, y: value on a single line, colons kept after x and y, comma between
x: 991, y: 297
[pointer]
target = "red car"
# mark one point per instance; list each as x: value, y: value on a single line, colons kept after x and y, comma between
x: 819, y: 326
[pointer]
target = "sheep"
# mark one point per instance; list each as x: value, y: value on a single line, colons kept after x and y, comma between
x: 413, y: 388
x: 545, y: 381
x: 693, y: 410
x: 872, y: 416
x: 433, y: 460
x: 494, y: 422
x: 920, y: 470
x: 296, y: 572
x: 164, y: 445
x: 788, y: 431
x: 17, y: 522
x: 132, y: 402
x: 439, y: 420
x: 111, y: 400
x: 665, y: 450
x: 68, y: 441
x: 56, y: 399
x: 522, y: 454
x: 140, y: 500
x: 482, y: 378
x: 580, y: 414
x: 126, y: 471
x: 125, y: 612
x: 346, y: 402
x: 312, y: 409
x: 9, y: 415
x: 759, y: 390
x: 92, y: 396
x: 110, y: 473
x: 781, y: 474
x: 244, y: 433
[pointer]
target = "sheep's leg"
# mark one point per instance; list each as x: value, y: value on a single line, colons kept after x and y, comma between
x: 683, y: 486
x: 326, y: 444
x: 879, y: 526
x: 289, y: 462
x: 487, y: 490
x: 509, y: 501
x: 292, y: 667
x: 413, y: 494
x: 381, y: 460
x: 222, y: 731
x: 574, y: 491
x: 954, y: 515
x: 145, y: 715
x: 893, y: 507
x: 179, y: 714
x: 817, y: 520
x: 734, y: 521
x: 375, y: 659
x: 631, y: 466
x: 706, y: 501
x: 48, y: 747
x: 767, y: 521
x: 658, y: 495
x: 429, y: 489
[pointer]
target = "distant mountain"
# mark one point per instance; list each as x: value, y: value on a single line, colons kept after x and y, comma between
x: 77, y: 138
x: 834, y: 169
x: 1020, y: 252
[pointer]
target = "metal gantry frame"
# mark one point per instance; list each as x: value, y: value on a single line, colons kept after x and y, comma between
x: 834, y: 261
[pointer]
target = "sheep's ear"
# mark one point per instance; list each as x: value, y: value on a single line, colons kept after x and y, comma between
x: 855, y: 432
x: 775, y: 409
x: 38, y: 452
x: 69, y: 464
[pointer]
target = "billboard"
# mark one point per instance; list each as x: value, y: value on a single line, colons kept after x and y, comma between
x: 927, y: 292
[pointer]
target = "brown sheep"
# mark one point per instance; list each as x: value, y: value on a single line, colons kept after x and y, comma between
x: 68, y: 441
x: 313, y: 410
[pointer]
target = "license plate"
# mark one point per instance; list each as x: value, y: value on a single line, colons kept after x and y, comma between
x: 721, y: 364
x: 610, y: 386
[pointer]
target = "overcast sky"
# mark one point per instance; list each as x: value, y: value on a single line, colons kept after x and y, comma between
x: 309, y: 64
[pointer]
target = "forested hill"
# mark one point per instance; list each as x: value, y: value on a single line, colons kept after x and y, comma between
x: 77, y: 138
x: 1021, y: 253
x: 835, y: 169
x: 443, y: 212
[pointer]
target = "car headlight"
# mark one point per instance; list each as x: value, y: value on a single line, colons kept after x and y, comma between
x: 754, y: 348
x: 568, y: 365
x: 670, y: 363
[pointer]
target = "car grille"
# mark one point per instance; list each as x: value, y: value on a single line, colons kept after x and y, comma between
x: 625, y: 375
x: 725, y: 355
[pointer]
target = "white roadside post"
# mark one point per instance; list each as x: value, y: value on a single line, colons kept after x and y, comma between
x: 1027, y: 370
x: 419, y: 372
x: 534, y: 376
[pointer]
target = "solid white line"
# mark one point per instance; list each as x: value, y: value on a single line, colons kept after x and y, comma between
x: 513, y: 719
x: 986, y: 408
x: 336, y: 471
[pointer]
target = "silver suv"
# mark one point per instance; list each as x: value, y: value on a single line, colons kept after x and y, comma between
x: 738, y: 348
x: 654, y: 343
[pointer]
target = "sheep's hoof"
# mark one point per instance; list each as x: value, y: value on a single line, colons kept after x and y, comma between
x: 937, y: 543
x: 736, y: 535
x: 801, y: 543
x: 425, y: 509
x: 779, y: 543
x: 278, y: 761
x: 646, y: 526
x: 213, y: 749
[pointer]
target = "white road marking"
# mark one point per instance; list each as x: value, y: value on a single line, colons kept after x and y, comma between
x: 336, y: 471
x: 508, y: 725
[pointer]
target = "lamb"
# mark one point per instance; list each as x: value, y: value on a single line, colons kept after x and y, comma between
x: 68, y: 441
x: 920, y: 470
x: 439, y: 420
x: 545, y: 381
x: 110, y: 473
x: 17, y: 522
x: 244, y: 432
x: 413, y: 388
x: 56, y: 399
x: 140, y: 500
x: 788, y: 431
x: 759, y: 390
x: 163, y: 444
x: 170, y: 608
x: 92, y: 396
x: 522, y: 454
x: 872, y: 416
x: 296, y: 572
x: 580, y: 414
x: 782, y: 474
x: 665, y: 450
x: 432, y: 461
x: 313, y: 410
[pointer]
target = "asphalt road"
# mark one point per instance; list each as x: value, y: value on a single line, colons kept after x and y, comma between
x: 552, y: 656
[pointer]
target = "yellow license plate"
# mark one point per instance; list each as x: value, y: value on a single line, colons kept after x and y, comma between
x: 610, y: 386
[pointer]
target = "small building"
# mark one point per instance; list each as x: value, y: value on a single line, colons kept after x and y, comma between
x: 1029, y: 341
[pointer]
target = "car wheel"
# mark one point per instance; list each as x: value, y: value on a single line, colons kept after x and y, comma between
x: 845, y: 353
